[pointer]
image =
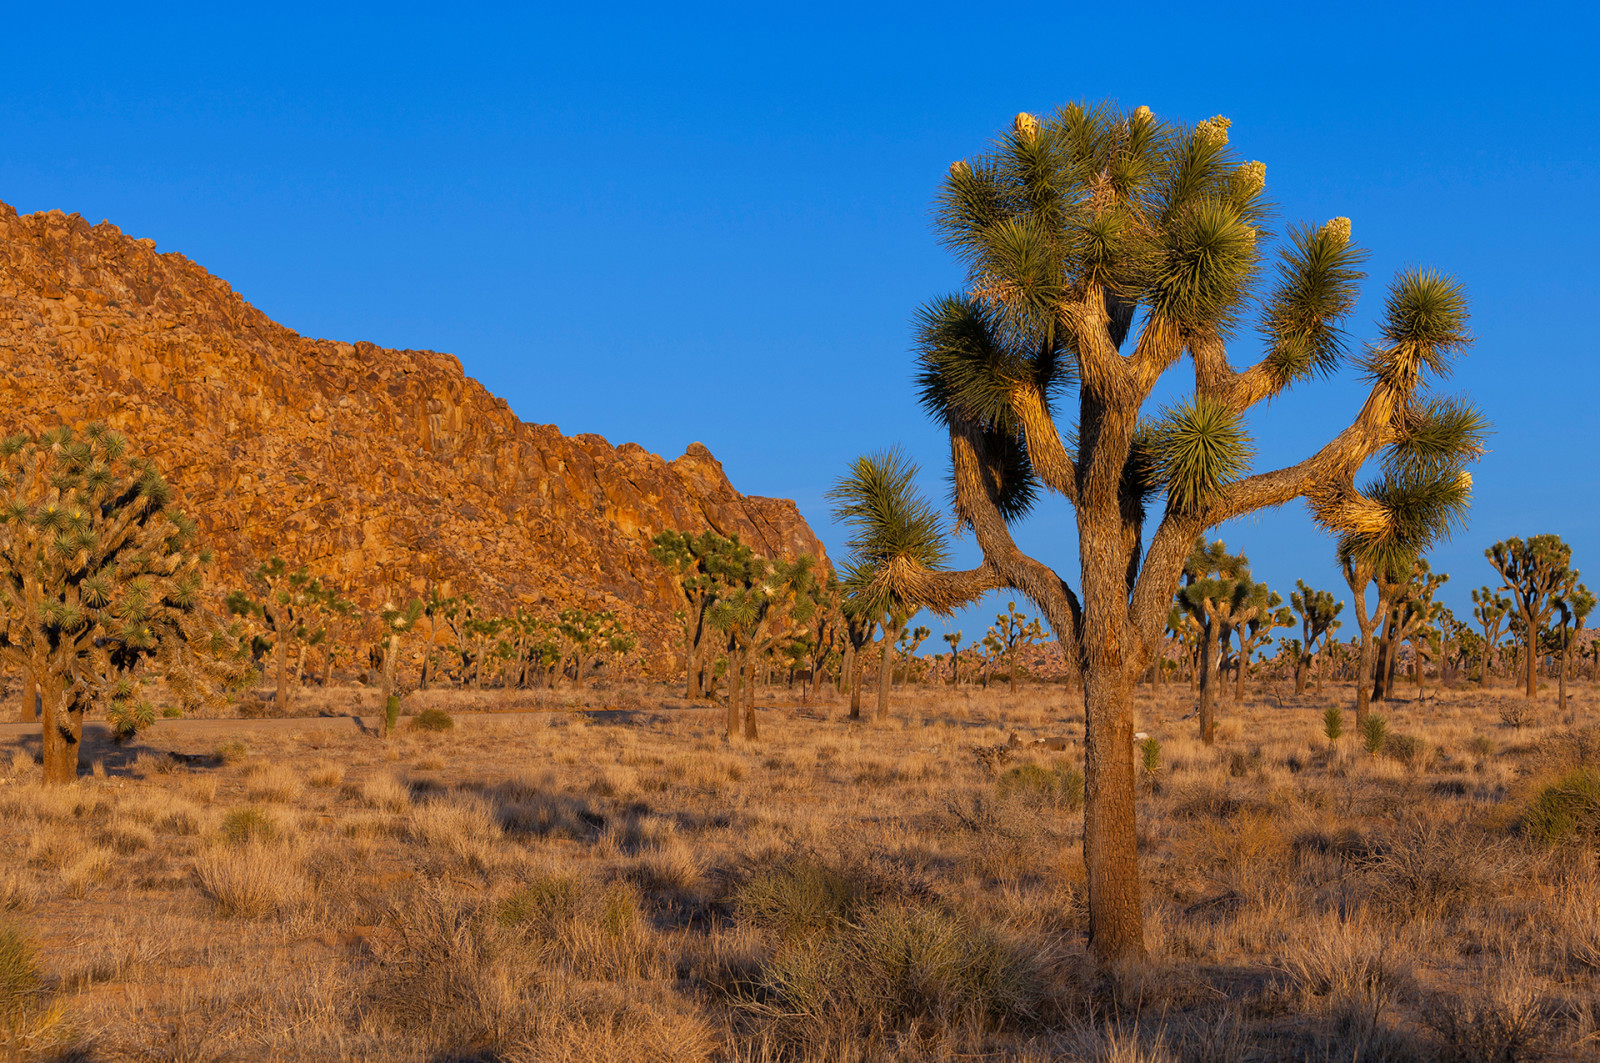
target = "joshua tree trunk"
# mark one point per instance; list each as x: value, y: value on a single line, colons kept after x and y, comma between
x: 750, y: 712
x: 856, y: 668
x: 1208, y: 686
x: 281, y: 653
x: 391, y: 651
x: 1111, y: 864
x: 62, y: 732
x: 1301, y: 667
x: 1530, y: 658
x: 846, y: 669
x: 28, y: 711
x: 736, y: 681
x: 694, y: 687
x: 891, y: 632
x: 1561, y: 671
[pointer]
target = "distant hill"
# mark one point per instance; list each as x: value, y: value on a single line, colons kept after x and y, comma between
x: 382, y: 469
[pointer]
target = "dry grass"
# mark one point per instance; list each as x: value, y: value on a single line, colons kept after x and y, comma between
x: 567, y: 886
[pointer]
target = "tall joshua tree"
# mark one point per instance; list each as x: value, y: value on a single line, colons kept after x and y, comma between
x: 1217, y: 596
x: 707, y: 566
x: 1534, y: 573
x: 1265, y: 615
x: 100, y: 573
x: 1319, y: 614
x: 281, y: 599
x: 1015, y: 632
x: 1408, y: 595
x: 893, y: 527
x: 953, y: 640
x: 1490, y: 611
x: 773, y: 603
x: 1573, y: 604
x: 1073, y: 229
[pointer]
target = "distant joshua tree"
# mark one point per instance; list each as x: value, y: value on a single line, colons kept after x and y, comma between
x: 283, y: 601
x: 1319, y: 613
x: 1534, y: 572
x: 707, y: 566
x: 100, y: 574
x: 1074, y: 229
x: 1217, y: 596
x: 1411, y: 613
x: 1264, y: 616
x: 1573, y: 604
x: 771, y: 603
x: 1490, y: 610
x: 1015, y: 631
x: 953, y: 640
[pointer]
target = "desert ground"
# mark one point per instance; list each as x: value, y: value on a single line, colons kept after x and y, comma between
x: 600, y: 876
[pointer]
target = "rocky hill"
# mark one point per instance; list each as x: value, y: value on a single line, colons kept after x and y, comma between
x: 382, y: 469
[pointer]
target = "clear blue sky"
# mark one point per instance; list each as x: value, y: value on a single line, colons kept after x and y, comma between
x: 665, y: 224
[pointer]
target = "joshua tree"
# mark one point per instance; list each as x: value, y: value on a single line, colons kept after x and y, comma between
x: 397, y: 621
x: 860, y: 624
x: 773, y: 603
x: 1319, y: 614
x: 1074, y: 229
x: 1361, y: 570
x: 707, y: 566
x: 953, y: 640
x: 1411, y: 612
x: 1490, y: 611
x: 1266, y: 615
x: 894, y: 527
x: 282, y: 600
x: 1534, y: 573
x: 1573, y: 604
x: 1015, y: 631
x: 586, y: 634
x: 100, y: 574
x: 1217, y: 596
x: 907, y: 645
x: 827, y: 622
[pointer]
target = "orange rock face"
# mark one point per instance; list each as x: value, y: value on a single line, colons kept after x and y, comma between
x: 384, y: 470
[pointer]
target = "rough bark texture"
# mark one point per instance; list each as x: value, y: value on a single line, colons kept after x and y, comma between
x: 364, y: 463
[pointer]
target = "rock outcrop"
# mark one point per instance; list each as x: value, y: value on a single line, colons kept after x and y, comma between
x: 382, y: 469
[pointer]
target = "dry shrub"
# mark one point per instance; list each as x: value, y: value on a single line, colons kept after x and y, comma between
x: 540, y: 809
x: 18, y: 890
x: 899, y: 968
x: 325, y: 774
x: 1503, y: 1021
x: 251, y: 826
x: 150, y: 765
x: 126, y: 836
x: 87, y: 869
x: 31, y: 1021
x: 381, y: 791
x: 274, y: 782
x: 22, y: 762
x: 672, y: 867
x: 250, y: 881
x: 1352, y: 965
x: 589, y: 1024
x: 1424, y: 868
x: 1058, y: 786
x: 1567, y: 808
x: 800, y: 898
x: 460, y: 824
x: 497, y: 978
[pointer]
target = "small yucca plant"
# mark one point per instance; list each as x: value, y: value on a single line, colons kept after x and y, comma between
x: 1333, y: 723
x: 1374, y: 732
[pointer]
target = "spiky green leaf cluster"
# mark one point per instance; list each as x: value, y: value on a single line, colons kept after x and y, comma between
x: 1199, y: 447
